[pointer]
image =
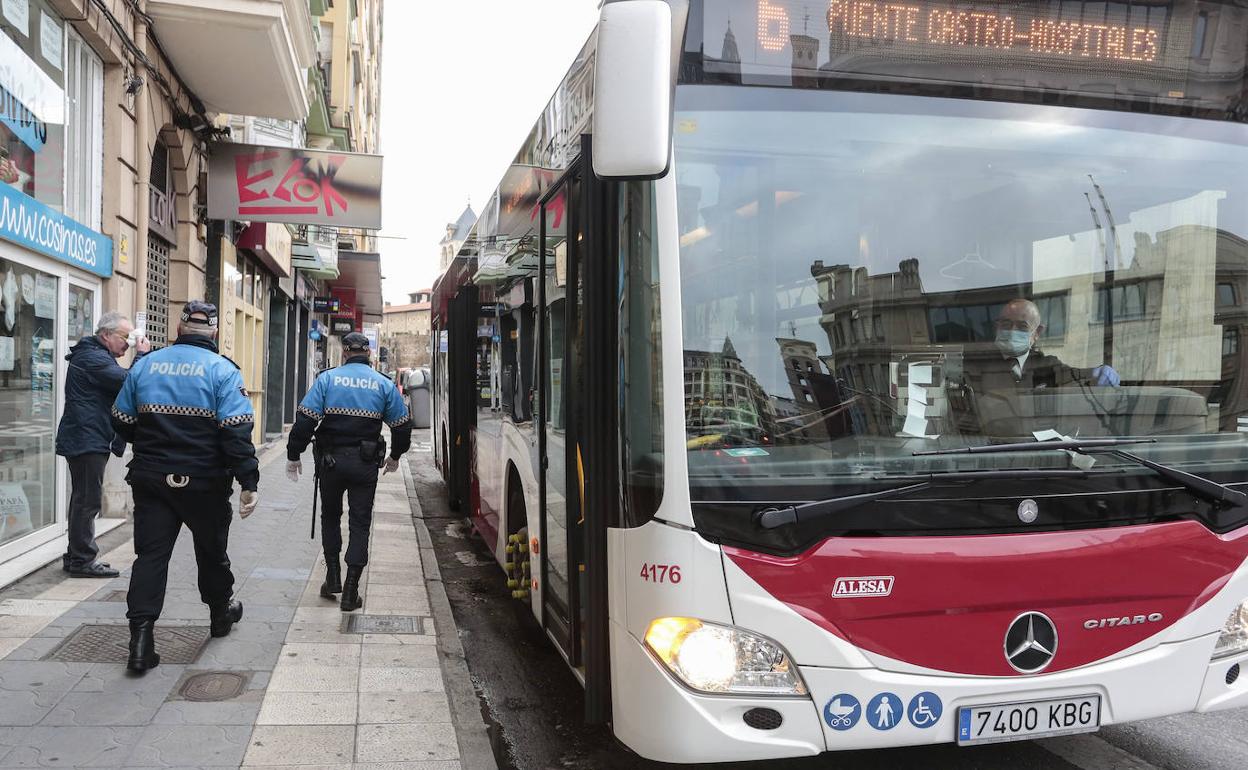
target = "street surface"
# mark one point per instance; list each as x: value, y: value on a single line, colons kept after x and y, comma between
x: 292, y: 685
x: 533, y: 703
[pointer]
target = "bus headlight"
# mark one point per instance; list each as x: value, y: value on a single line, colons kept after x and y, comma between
x: 1234, y: 638
x: 719, y: 659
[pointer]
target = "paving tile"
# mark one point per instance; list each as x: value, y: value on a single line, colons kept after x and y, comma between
x: 321, y: 634
x: 190, y: 745
x: 387, y: 605
x: 301, y: 745
x: 391, y: 591
x: 308, y: 708
x: 347, y: 766
x: 34, y: 607
x: 321, y: 654
x: 72, y: 747
x: 399, y: 655
x: 41, y: 677
x: 405, y: 743
x: 444, y: 764
x: 312, y: 678
x: 27, y: 707
x: 71, y: 590
x: 114, y: 679
x: 318, y: 616
x: 417, y: 639
x: 31, y: 649
x: 392, y: 707
x: 10, y: 643
x: 401, y: 680
x: 235, y: 712
x: 114, y: 708
x: 23, y: 625
x: 403, y: 577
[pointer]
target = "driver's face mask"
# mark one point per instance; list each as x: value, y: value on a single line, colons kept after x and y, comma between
x: 1013, y: 342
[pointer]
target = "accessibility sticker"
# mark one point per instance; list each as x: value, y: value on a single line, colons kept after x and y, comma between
x: 842, y: 712
x: 924, y: 710
x: 884, y: 711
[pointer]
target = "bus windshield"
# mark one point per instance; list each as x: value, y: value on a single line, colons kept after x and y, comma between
x: 869, y: 275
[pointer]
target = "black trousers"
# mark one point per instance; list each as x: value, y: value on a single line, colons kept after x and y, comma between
x: 358, y: 479
x: 86, y: 478
x: 159, y: 513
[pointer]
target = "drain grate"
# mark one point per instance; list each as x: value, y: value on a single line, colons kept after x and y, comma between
x: 385, y: 624
x: 209, y: 686
x: 110, y: 644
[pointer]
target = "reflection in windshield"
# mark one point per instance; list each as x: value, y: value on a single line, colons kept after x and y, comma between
x: 869, y: 275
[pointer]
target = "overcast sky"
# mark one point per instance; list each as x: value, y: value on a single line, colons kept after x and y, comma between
x: 463, y: 82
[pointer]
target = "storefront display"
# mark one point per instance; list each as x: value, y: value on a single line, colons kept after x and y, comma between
x: 28, y: 398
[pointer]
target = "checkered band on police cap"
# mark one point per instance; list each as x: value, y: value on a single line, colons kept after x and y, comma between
x: 355, y: 341
x: 199, y: 313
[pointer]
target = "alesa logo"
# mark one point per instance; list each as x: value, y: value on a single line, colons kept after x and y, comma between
x: 851, y: 587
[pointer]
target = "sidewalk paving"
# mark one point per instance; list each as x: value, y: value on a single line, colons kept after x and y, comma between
x: 300, y: 686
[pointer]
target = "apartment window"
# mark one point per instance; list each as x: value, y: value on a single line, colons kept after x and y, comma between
x: 84, y: 132
x: 32, y: 153
x: 1230, y: 342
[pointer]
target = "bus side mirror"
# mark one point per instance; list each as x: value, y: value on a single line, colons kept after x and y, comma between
x: 633, y: 90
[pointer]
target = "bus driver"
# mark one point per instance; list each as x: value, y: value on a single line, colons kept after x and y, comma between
x: 1019, y: 328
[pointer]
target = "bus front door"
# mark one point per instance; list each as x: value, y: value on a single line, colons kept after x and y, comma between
x: 563, y: 419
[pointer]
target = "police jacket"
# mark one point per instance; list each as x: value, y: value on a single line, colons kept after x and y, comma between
x: 185, y: 410
x: 350, y: 403
x: 93, y: 382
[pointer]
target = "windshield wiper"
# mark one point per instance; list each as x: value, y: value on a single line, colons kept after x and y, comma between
x: 1219, y: 495
x: 773, y: 518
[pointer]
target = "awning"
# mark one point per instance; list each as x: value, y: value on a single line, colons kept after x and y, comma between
x: 361, y: 270
x: 242, y: 57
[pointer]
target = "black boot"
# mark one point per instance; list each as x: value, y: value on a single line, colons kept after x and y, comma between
x: 224, y: 616
x: 142, y: 646
x: 333, y: 577
x: 351, y: 589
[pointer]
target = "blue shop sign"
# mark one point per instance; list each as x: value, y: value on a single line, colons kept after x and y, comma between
x: 27, y: 222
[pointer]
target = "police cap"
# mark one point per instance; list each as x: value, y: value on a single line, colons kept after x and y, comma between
x: 355, y: 341
x: 199, y: 313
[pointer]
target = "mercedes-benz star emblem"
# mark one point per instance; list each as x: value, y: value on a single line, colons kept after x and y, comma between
x: 1028, y: 511
x: 1030, y: 643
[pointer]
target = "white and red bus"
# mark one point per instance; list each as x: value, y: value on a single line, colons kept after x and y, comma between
x: 850, y: 374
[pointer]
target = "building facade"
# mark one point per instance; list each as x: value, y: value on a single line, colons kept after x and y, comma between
x: 405, y: 332
x: 111, y: 109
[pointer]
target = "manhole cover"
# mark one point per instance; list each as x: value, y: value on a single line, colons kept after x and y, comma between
x: 385, y: 624
x: 213, y: 686
x: 110, y: 644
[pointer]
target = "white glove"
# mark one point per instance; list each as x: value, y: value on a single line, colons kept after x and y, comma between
x: 248, y: 501
x: 392, y: 465
x: 293, y: 469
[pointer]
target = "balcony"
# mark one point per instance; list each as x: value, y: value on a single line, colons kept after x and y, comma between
x: 315, y: 251
x: 242, y: 57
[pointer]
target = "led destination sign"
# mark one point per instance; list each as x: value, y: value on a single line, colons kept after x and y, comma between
x: 965, y: 26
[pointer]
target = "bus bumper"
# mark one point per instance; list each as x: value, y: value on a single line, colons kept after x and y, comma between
x: 662, y: 720
x: 1165, y: 680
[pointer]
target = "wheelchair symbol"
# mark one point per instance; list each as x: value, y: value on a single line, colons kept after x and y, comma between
x: 924, y: 710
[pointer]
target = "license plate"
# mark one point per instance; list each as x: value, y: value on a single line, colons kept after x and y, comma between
x: 1033, y: 719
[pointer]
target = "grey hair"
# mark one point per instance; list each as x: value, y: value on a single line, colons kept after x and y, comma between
x: 111, y: 322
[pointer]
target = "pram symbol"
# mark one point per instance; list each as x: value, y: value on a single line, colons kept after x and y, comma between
x: 842, y: 712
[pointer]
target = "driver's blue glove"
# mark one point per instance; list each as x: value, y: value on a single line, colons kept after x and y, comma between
x: 1106, y: 376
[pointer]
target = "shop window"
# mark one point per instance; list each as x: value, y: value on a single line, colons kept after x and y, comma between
x: 32, y: 151
x: 28, y: 385
x: 84, y: 135
x: 81, y: 313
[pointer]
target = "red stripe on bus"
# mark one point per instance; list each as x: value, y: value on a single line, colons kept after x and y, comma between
x: 954, y: 597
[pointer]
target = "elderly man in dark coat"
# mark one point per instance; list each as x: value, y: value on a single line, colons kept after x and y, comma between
x: 85, y: 436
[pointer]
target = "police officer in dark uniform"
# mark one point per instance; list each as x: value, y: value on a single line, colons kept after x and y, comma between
x: 185, y: 410
x: 349, y: 403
